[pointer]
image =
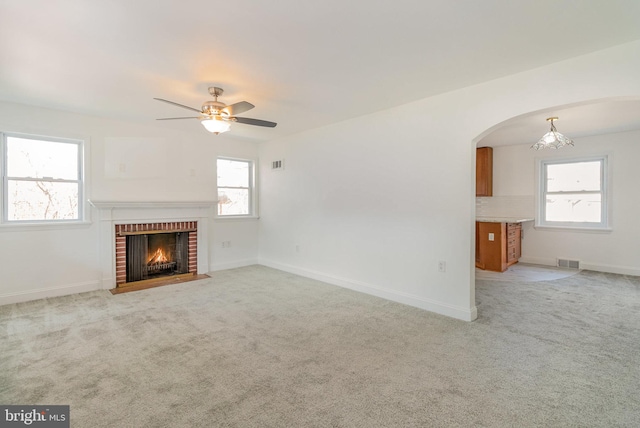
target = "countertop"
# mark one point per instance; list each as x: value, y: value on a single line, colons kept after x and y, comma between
x: 503, y: 219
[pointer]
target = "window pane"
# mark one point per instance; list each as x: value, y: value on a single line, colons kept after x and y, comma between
x: 574, y: 208
x: 571, y: 177
x: 233, y: 173
x: 233, y: 201
x: 42, y: 200
x: 39, y: 159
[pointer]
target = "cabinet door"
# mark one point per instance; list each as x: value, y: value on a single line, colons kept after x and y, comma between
x: 484, y: 171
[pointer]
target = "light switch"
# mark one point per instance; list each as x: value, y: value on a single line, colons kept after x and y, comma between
x: 491, y: 237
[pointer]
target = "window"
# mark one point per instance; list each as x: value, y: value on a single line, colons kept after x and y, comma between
x: 235, y: 187
x: 41, y: 179
x: 573, y: 193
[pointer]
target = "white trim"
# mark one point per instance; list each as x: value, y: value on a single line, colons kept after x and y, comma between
x: 231, y: 218
x: 621, y: 270
x: 43, y: 293
x: 30, y: 227
x: 605, y: 224
x: 596, y: 267
x: 152, y: 204
x: 465, y: 314
x: 253, y: 189
x: 84, y: 185
x: 574, y: 229
x: 111, y: 213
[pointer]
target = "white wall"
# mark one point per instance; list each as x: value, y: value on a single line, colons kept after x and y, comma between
x: 616, y: 251
x: 374, y: 203
x: 127, y: 161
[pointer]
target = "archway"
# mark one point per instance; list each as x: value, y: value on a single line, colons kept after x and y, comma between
x: 595, y: 125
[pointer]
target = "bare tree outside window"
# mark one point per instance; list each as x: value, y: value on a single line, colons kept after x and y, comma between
x: 42, y: 179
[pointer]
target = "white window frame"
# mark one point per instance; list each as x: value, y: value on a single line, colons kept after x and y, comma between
x: 605, y: 192
x: 81, y: 181
x: 253, y: 200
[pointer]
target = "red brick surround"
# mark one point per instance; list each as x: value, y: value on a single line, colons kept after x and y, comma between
x: 122, y: 230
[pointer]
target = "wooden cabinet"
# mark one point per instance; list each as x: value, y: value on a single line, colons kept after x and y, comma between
x: 498, y: 245
x: 484, y: 171
x: 514, y: 237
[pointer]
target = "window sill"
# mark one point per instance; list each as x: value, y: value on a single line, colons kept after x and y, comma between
x: 574, y: 229
x: 236, y: 218
x: 37, y: 226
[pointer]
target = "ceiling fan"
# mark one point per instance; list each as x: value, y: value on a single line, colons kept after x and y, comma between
x: 216, y: 116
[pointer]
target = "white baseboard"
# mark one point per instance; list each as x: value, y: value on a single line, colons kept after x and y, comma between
x: 621, y: 270
x: 585, y: 265
x: 395, y: 296
x: 232, y: 265
x: 43, y: 293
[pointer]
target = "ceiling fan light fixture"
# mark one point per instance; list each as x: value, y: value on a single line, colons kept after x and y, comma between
x: 217, y: 116
x: 552, y: 139
x: 215, y: 124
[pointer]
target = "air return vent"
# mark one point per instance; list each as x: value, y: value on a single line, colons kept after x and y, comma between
x: 572, y: 264
x: 277, y: 164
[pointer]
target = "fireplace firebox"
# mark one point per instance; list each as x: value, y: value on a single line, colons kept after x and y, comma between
x: 154, y: 251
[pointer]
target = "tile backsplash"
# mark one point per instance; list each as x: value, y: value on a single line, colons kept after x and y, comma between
x: 505, y: 206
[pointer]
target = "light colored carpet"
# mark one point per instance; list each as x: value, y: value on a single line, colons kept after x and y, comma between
x: 257, y: 347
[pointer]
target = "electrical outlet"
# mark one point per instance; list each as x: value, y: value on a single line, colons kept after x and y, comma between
x: 442, y: 266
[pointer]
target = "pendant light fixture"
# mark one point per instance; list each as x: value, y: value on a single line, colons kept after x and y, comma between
x: 552, y: 139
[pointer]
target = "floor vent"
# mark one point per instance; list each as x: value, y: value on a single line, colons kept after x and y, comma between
x: 572, y: 264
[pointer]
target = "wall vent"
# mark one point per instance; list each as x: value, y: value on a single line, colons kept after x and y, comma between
x: 277, y: 164
x: 572, y: 264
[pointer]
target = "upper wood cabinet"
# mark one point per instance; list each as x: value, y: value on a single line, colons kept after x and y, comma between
x: 484, y: 171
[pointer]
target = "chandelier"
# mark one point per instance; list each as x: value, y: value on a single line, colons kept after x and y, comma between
x: 552, y: 139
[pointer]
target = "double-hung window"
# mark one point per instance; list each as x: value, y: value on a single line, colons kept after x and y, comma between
x: 573, y: 193
x: 42, y: 179
x: 236, y: 185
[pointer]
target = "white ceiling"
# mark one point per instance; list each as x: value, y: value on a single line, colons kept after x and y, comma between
x: 304, y: 64
x: 601, y: 117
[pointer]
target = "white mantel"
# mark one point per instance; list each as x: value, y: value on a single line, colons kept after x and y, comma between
x: 111, y: 213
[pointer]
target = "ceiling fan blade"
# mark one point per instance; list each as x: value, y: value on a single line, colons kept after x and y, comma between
x: 174, y: 118
x: 238, y: 108
x: 179, y: 105
x: 256, y: 122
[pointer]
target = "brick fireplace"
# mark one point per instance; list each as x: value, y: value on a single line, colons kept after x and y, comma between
x: 170, y: 264
x: 188, y: 221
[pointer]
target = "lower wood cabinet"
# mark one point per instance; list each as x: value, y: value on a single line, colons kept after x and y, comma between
x: 498, y: 245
